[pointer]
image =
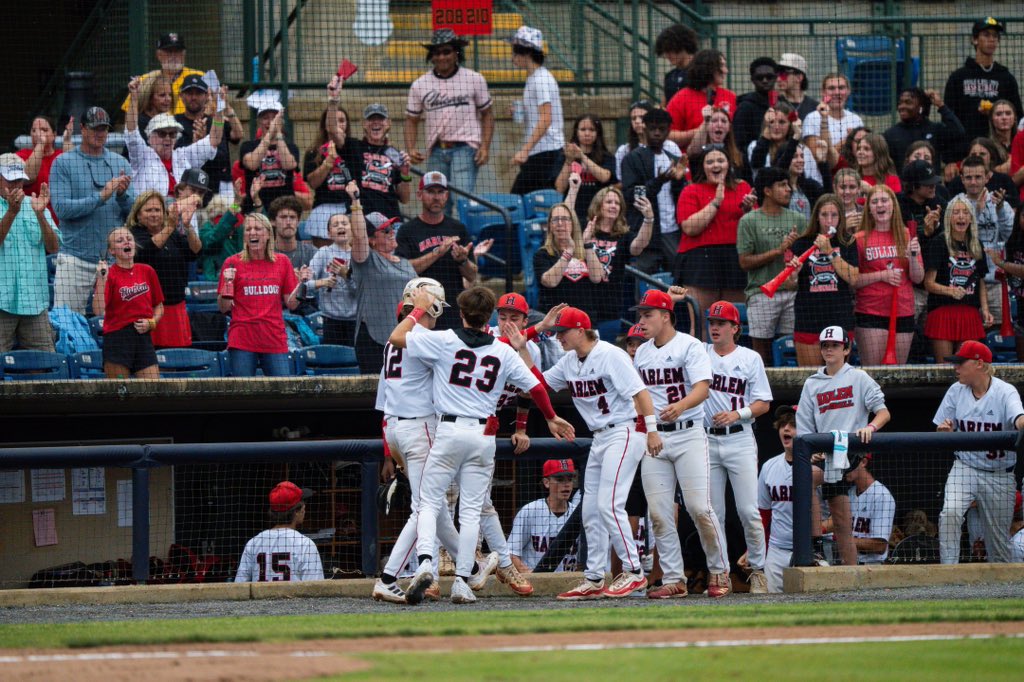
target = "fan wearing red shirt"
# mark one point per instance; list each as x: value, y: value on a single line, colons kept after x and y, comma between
x: 129, y: 299
x: 41, y: 156
x: 704, y: 90
x: 255, y: 285
x: 709, y: 212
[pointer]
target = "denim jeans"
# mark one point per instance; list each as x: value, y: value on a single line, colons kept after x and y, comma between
x: 243, y: 363
x: 458, y: 166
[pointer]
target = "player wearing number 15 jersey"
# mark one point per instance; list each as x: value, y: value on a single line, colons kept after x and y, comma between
x: 739, y: 394
x: 471, y: 369
x: 677, y: 372
x: 282, y: 553
x: 608, y: 394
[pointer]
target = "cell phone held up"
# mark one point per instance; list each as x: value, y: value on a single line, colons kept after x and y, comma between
x: 639, y: 191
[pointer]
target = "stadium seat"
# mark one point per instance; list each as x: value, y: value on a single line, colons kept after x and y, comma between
x: 34, y: 365
x: 328, y: 359
x: 784, y: 352
x: 868, y: 62
x: 502, y: 248
x: 531, y: 238
x: 316, y: 323
x: 190, y: 363
x: 87, y: 365
x: 609, y: 330
x: 476, y: 216
x: 1004, y: 348
x: 642, y: 285
x: 96, y: 328
x: 201, y: 296
x: 538, y: 203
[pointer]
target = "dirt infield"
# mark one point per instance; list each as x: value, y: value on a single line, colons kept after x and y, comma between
x: 311, y: 659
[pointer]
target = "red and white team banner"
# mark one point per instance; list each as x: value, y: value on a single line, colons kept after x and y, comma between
x: 465, y: 17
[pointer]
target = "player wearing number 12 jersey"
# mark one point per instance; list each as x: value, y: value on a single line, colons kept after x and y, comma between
x: 471, y: 369
x: 282, y: 553
x: 739, y: 394
x: 677, y: 372
x: 608, y: 394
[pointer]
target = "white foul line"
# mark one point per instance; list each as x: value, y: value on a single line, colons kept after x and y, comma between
x: 152, y: 655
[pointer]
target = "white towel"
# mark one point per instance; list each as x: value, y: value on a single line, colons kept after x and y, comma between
x: 838, y: 461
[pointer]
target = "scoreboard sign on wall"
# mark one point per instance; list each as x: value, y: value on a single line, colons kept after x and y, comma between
x: 465, y: 17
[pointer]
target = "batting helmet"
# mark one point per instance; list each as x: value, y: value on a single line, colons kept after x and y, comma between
x: 431, y: 285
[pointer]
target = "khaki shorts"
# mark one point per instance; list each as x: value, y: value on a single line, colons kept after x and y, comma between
x: 33, y: 332
x: 770, y: 317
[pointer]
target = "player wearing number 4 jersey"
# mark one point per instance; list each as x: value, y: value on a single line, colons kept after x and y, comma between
x: 282, y: 553
x: 404, y: 395
x: 471, y: 369
x: 608, y: 394
x: 739, y: 394
x: 677, y: 373
x: 979, y: 401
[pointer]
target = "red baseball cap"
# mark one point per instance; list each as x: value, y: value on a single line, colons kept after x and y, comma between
x: 286, y: 496
x: 399, y: 310
x: 636, y: 332
x: 571, y: 318
x: 513, y: 301
x: 559, y: 467
x: 723, y: 310
x: 655, y: 299
x: 971, y: 350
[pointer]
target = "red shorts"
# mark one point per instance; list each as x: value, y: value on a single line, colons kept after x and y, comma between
x: 173, y: 330
x: 954, y: 323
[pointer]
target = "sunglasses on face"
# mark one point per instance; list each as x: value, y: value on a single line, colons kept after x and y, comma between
x: 165, y: 133
x: 766, y: 76
x: 444, y: 51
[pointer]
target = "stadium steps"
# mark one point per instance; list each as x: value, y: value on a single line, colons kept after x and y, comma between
x: 487, y: 48
x: 408, y: 75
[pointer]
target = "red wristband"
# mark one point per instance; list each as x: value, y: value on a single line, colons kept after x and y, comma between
x: 531, y: 333
x: 521, y: 419
x: 416, y: 314
x: 872, y: 427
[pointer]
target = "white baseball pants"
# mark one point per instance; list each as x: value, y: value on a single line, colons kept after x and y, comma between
x: 684, y: 460
x: 776, y: 560
x: 460, y: 452
x: 994, y: 492
x: 490, y: 523
x: 614, y: 455
x: 412, y: 439
x: 734, y: 456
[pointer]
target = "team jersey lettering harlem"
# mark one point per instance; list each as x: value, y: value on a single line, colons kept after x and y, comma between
x: 587, y: 388
x: 782, y: 493
x: 133, y: 291
x: 727, y: 384
x: 862, y: 524
x: 971, y: 426
x: 835, y: 399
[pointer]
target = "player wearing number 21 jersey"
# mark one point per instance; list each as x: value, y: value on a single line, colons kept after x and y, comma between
x: 608, y: 394
x: 677, y: 372
x: 471, y: 369
x: 282, y: 553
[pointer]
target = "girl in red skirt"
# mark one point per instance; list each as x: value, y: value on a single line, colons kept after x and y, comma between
x: 955, y: 269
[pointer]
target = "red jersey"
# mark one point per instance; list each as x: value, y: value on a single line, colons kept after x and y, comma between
x: 875, y: 253
x: 261, y: 286
x: 131, y: 294
x: 891, y: 181
x: 1016, y: 158
x: 687, y: 104
x: 722, y: 228
x: 43, y: 176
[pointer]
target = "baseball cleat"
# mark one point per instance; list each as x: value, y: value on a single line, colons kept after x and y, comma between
x: 585, y: 590
x: 420, y: 582
x: 445, y: 564
x: 758, y: 583
x: 719, y: 585
x: 625, y: 584
x: 478, y: 581
x: 433, y: 593
x: 511, y: 576
x: 390, y: 593
x: 669, y: 591
x: 461, y: 593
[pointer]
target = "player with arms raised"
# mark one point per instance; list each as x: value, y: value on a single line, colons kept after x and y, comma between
x: 471, y: 369
x: 676, y: 370
x: 608, y: 394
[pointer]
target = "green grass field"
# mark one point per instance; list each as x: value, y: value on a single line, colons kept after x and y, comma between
x: 412, y: 623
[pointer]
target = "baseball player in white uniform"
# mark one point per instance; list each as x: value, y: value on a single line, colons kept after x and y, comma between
x: 841, y: 398
x: 676, y: 370
x: 539, y: 522
x: 775, y: 500
x: 979, y: 401
x: 873, y: 509
x: 282, y: 553
x: 405, y: 396
x: 608, y: 394
x: 471, y: 369
x: 739, y: 394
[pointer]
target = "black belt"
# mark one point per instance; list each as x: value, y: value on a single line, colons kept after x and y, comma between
x: 402, y: 419
x: 453, y: 418
x: 676, y: 426
x: 724, y: 430
x: 449, y: 145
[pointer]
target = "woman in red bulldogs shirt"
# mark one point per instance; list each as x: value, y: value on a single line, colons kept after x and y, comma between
x: 255, y: 285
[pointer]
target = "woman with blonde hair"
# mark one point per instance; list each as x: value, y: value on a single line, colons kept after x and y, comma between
x: 607, y: 234
x: 955, y: 269
x: 871, y: 154
x: 1002, y: 127
x: 847, y: 186
x: 567, y: 271
x: 155, y: 96
x: 255, y: 286
x: 890, y: 264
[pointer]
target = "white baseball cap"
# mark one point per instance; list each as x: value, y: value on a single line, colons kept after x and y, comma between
x: 12, y: 167
x: 163, y: 122
x: 529, y: 37
x: 835, y: 334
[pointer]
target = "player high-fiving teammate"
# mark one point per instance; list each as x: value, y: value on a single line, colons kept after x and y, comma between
x: 471, y: 369
x: 608, y: 394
